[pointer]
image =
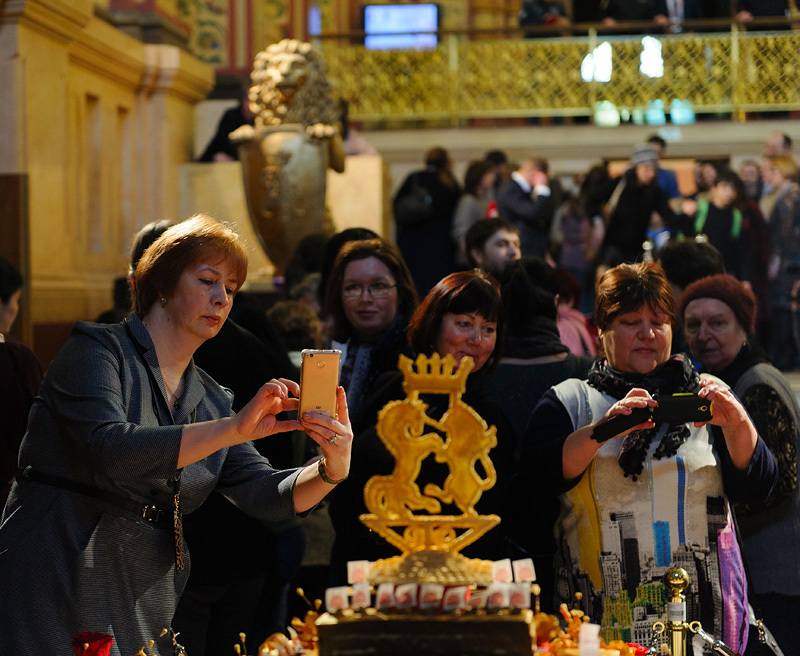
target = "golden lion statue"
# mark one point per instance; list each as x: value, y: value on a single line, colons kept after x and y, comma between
x: 286, y: 154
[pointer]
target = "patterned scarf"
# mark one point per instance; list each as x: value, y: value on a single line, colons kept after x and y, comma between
x: 368, y: 358
x: 677, y: 375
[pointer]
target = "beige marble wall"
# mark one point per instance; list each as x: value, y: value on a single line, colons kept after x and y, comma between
x: 360, y: 197
x: 99, y: 122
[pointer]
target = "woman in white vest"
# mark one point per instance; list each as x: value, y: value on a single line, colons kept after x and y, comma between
x: 637, y: 500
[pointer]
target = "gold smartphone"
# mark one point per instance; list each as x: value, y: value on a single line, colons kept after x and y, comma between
x: 319, y: 378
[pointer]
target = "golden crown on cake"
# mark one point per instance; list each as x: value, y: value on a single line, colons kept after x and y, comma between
x: 435, y: 374
x: 459, y: 439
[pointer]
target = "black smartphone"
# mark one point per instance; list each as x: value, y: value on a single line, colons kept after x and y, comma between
x: 675, y: 409
x: 619, y: 424
x: 681, y: 409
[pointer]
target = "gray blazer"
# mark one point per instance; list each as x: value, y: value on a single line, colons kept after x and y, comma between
x: 71, y: 563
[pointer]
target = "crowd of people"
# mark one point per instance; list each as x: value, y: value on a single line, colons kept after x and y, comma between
x: 156, y: 479
x: 668, y: 15
x: 595, y: 221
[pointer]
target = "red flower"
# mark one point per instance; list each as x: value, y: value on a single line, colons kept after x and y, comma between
x: 90, y: 643
x: 639, y: 650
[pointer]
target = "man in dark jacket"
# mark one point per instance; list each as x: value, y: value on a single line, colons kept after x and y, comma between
x: 636, y: 198
x: 221, y: 148
x: 525, y: 201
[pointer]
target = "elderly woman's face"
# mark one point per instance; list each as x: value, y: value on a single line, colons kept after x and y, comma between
x: 638, y: 341
x: 715, y: 336
x: 467, y: 334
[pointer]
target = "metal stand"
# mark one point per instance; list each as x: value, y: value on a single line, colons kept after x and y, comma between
x: 677, y: 580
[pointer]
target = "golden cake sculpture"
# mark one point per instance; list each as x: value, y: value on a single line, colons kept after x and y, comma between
x: 430, y: 544
x: 431, y: 599
x: 431, y: 572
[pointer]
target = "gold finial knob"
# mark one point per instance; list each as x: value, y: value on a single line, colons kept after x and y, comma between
x: 677, y: 580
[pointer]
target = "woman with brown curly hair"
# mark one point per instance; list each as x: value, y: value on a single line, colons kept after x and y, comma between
x: 652, y: 496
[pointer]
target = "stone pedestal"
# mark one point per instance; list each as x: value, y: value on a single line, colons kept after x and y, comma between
x: 361, y: 196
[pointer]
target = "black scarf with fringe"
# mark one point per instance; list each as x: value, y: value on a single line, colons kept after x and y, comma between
x: 677, y: 375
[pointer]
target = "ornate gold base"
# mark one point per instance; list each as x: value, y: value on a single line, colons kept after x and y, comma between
x: 432, y: 567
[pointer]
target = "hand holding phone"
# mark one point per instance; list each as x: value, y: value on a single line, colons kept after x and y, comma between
x: 619, y: 424
x: 675, y: 409
x: 681, y: 409
x: 319, y: 378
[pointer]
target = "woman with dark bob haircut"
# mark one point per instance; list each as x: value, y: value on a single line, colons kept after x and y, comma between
x: 473, y: 293
x: 637, y: 501
x: 126, y: 435
x: 461, y: 316
x: 369, y: 297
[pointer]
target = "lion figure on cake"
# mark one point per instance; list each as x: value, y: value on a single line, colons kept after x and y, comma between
x: 460, y: 439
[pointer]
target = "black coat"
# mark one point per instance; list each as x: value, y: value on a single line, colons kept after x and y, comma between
x: 220, y: 142
x: 427, y: 247
x: 530, y: 215
x: 630, y: 218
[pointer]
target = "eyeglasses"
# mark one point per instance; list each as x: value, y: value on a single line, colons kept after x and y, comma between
x: 376, y: 290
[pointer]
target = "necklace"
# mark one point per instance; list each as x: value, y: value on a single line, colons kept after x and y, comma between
x: 175, y: 401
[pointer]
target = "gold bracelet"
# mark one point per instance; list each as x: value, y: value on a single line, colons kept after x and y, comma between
x: 324, y: 475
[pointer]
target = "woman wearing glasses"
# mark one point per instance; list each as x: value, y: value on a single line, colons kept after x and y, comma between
x: 370, y: 296
x: 461, y: 316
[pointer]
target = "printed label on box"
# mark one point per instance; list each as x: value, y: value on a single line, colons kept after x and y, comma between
x: 455, y: 598
x: 406, y: 595
x: 501, y: 571
x: 520, y: 595
x: 499, y: 595
x: 361, y: 595
x: 336, y: 599
x: 524, y: 570
x: 478, y: 600
x: 430, y: 595
x: 357, y: 571
x: 384, y: 597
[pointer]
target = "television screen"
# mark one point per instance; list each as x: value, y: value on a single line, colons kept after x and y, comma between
x: 392, y: 26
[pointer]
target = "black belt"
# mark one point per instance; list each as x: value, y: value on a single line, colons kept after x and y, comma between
x: 148, y: 512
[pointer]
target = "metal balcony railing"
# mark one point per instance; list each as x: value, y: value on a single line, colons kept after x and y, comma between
x: 500, y: 74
